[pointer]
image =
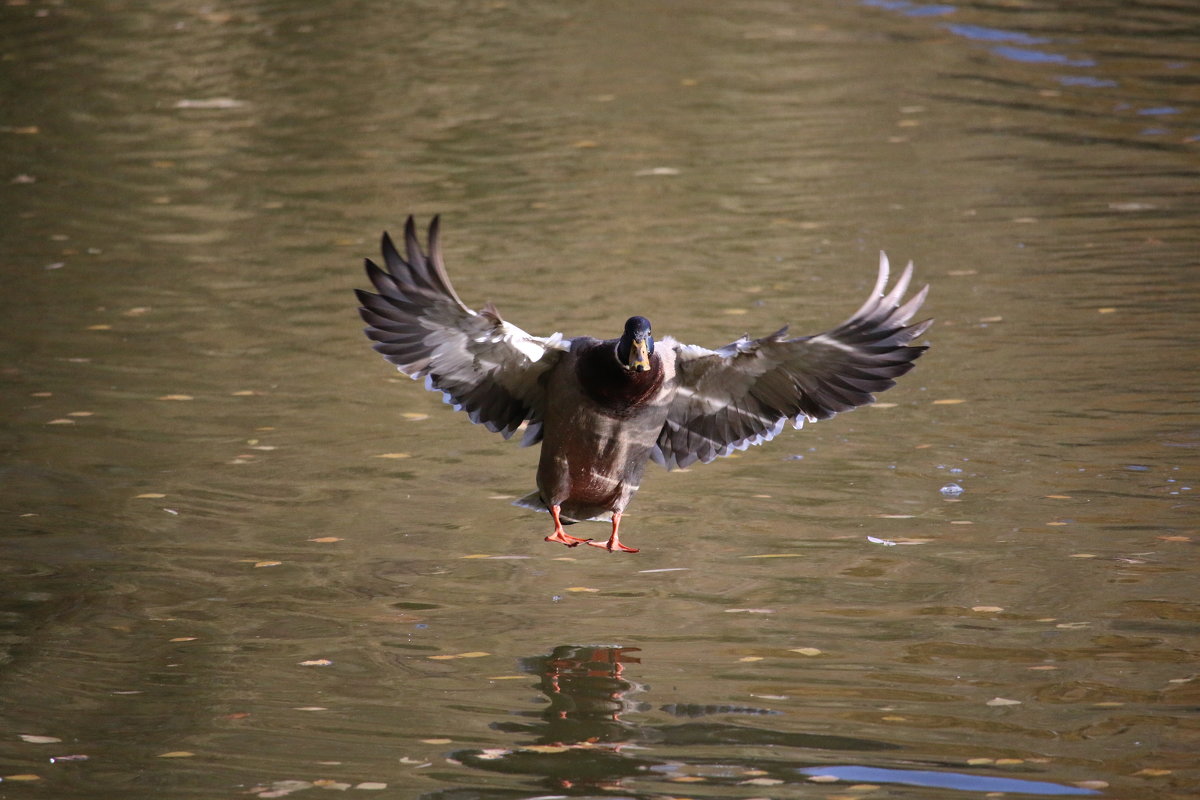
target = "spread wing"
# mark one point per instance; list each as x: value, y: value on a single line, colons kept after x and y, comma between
x: 743, y: 393
x: 480, y: 363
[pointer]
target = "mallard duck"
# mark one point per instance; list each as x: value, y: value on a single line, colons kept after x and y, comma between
x: 602, y: 409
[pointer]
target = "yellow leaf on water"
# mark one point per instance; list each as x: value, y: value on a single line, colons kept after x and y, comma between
x: 1153, y: 773
x: 81, y: 413
x: 746, y: 659
x: 1058, y: 497
x: 35, y: 739
x: 414, y: 417
x: 805, y: 651
x: 25, y: 776
x: 61, y: 421
x: 371, y: 785
x: 267, y: 563
x: 437, y: 741
x: 176, y: 397
x: 326, y: 539
x: 99, y: 327
x: 687, y: 779
x: 317, y: 662
x: 1002, y: 701
x: 393, y: 455
x: 177, y: 754
x: 184, y: 639
x: 506, y: 677
x: 987, y: 609
x: 1106, y: 310
x: 471, y: 654
x: 949, y: 401
x: 545, y: 748
x: 581, y: 589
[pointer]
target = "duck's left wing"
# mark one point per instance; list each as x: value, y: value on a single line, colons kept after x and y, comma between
x: 481, y: 364
x: 743, y: 393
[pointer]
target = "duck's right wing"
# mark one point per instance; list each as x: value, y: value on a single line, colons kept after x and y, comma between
x: 481, y: 364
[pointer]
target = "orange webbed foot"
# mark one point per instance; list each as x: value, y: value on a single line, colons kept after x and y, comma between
x: 613, y: 545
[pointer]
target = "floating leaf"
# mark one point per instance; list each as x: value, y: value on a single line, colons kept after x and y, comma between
x: 61, y: 421
x: 176, y: 397
x: 884, y: 542
x: 267, y: 563
x: 805, y: 651
x: 25, y: 776
x: 177, y: 754
x: 1002, y: 701
x: 184, y: 639
x: 414, y: 417
x: 1058, y: 497
x: 371, y: 785
x: 949, y: 401
x: 471, y: 654
x: 317, y: 662
x: 748, y: 659
x: 437, y: 741
x: 327, y: 783
x: 311, y: 708
x: 762, y: 782
x: 99, y: 327
x: 987, y: 609
x: 393, y: 455
x: 749, y: 611
x: 326, y: 539
x: 81, y: 413
x: 581, y: 589
x: 35, y: 739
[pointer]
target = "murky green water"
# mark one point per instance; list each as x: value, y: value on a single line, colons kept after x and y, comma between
x: 240, y: 556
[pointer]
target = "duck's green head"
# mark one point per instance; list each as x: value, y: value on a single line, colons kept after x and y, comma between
x: 636, y: 345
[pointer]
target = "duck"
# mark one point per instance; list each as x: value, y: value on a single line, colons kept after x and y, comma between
x: 602, y: 409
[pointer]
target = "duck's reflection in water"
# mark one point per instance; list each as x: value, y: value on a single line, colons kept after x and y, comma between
x: 582, y: 739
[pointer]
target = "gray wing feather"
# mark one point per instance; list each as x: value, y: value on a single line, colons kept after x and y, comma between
x: 481, y: 364
x: 744, y: 393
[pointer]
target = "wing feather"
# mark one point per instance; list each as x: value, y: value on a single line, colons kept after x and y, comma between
x: 744, y: 393
x: 482, y: 365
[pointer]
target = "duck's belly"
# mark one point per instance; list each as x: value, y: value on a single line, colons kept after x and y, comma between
x: 595, y: 465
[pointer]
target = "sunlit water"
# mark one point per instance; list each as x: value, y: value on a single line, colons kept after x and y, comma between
x: 242, y: 557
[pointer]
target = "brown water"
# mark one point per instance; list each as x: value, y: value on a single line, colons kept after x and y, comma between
x: 214, y: 585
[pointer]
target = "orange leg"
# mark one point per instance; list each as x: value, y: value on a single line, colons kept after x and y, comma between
x: 614, y: 542
x: 561, y: 536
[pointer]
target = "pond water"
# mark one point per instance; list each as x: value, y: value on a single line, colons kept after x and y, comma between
x: 243, y: 557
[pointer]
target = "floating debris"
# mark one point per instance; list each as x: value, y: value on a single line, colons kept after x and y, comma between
x: 951, y: 490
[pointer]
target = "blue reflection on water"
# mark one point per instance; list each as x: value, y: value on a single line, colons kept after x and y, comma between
x: 945, y: 780
x: 1040, y: 57
x: 984, y: 34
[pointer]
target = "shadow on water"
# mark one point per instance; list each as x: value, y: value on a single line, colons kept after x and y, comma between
x: 581, y: 741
